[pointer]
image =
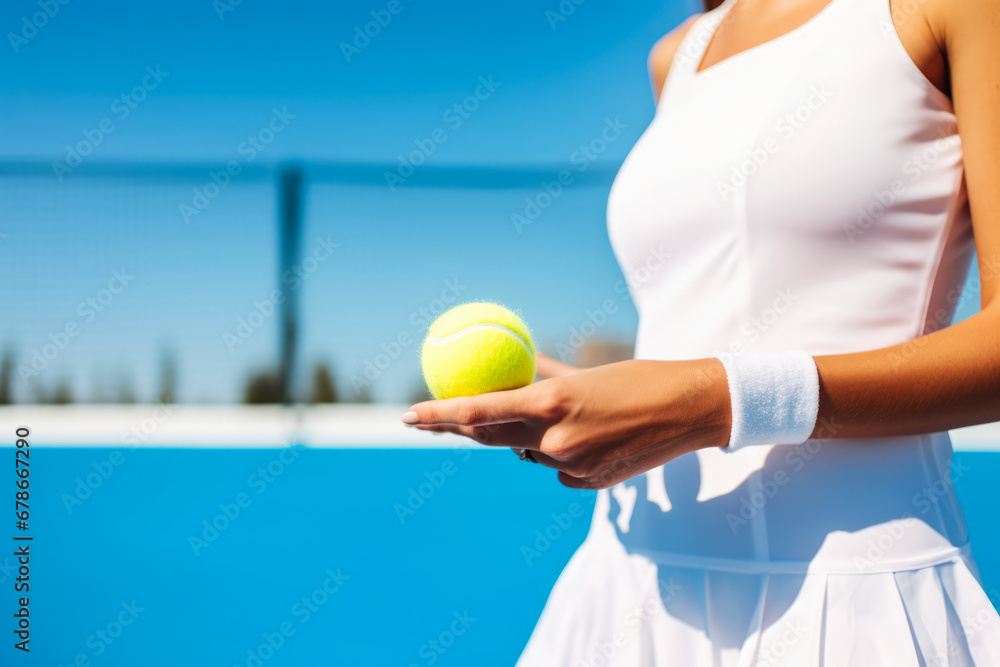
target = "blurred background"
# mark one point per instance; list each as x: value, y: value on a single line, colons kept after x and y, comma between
x: 207, y: 203
x: 374, y: 163
x: 374, y: 174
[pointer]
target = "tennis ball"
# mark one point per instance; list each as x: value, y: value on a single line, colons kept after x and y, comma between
x: 476, y: 348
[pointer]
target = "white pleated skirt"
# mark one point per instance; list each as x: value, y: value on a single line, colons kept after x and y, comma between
x: 612, y: 608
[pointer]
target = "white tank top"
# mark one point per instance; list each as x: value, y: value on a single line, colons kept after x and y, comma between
x: 806, y: 193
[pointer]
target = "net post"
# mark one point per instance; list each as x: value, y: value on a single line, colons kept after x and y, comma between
x: 290, y: 186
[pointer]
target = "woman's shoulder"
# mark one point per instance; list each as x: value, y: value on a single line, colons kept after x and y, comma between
x: 663, y: 52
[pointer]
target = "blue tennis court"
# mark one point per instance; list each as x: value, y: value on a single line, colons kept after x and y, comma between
x: 299, y: 556
x: 227, y: 228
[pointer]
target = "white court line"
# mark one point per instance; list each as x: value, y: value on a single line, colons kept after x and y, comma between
x: 240, y: 427
x: 218, y: 426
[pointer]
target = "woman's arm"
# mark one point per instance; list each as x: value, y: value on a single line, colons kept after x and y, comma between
x: 603, y: 425
x: 949, y: 378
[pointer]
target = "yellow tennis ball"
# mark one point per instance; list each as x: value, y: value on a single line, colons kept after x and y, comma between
x: 476, y: 348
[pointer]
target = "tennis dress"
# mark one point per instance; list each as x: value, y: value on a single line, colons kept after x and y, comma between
x: 805, y: 194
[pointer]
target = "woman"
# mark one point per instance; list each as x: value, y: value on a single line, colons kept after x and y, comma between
x: 777, y: 469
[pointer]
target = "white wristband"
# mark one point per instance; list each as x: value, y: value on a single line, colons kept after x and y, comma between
x: 775, y: 398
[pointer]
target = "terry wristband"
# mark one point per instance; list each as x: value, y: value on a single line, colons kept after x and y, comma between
x: 774, y: 396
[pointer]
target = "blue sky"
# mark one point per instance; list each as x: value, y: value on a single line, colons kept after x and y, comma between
x: 175, y: 82
x: 224, y: 76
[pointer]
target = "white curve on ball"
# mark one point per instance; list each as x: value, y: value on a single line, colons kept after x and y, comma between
x: 482, y: 325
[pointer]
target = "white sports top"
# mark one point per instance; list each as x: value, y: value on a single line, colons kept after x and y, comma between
x: 812, y: 202
x: 806, y: 193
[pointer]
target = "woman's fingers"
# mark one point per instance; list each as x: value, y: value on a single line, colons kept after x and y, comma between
x: 516, y: 435
x: 547, y: 367
x: 439, y: 428
x: 494, y: 408
x: 546, y: 460
x: 573, y: 482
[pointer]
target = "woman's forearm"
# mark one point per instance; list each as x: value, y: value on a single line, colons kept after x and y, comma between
x: 944, y: 380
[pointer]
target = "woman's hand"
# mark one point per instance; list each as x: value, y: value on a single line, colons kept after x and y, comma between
x: 598, y: 426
